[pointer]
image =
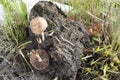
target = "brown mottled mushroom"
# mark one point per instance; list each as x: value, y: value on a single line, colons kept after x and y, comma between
x: 38, y: 25
x: 39, y: 59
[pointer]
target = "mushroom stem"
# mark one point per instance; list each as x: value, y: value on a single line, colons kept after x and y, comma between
x: 38, y: 40
x: 39, y: 58
x: 43, y: 37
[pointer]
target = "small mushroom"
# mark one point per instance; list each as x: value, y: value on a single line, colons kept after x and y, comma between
x: 39, y: 59
x: 38, y: 25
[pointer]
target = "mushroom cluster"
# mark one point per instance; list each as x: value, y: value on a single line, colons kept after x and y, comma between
x: 39, y: 58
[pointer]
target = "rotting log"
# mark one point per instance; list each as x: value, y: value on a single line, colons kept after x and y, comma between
x: 64, y: 41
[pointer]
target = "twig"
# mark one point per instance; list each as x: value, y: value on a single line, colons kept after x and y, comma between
x: 68, y: 47
x: 20, y: 52
x: 52, y: 22
x: 67, y: 41
x: 63, y: 44
x: 66, y: 27
x: 94, y: 16
x: 61, y: 52
x: 20, y: 76
x: 115, y: 72
x: 5, y: 59
x: 57, y: 39
x: 8, y: 57
x: 86, y: 57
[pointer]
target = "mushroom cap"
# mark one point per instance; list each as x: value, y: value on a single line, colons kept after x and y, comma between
x: 38, y: 25
x: 39, y: 59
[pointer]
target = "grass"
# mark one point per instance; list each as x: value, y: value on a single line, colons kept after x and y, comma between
x: 85, y: 11
x: 15, y: 20
x: 15, y: 24
x: 103, y: 62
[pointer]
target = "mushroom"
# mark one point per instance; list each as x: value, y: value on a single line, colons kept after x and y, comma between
x: 38, y: 25
x: 39, y: 59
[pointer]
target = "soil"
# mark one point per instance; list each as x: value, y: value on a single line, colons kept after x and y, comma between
x: 64, y: 42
